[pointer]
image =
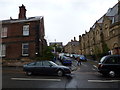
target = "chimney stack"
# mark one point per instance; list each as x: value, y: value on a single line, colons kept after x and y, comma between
x: 74, y: 39
x: 22, y: 12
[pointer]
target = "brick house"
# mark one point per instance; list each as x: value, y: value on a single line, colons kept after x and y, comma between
x: 22, y: 37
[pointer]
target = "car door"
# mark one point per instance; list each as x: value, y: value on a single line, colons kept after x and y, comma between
x: 30, y: 67
x: 113, y: 65
x: 117, y: 63
x: 48, y: 68
x: 38, y: 68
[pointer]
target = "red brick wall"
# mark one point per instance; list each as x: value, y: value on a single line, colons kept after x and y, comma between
x: 15, y: 39
x: 13, y: 51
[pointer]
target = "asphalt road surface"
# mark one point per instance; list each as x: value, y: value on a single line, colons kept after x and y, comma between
x: 84, y: 77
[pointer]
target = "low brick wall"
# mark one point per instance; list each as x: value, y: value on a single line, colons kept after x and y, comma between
x: 15, y: 62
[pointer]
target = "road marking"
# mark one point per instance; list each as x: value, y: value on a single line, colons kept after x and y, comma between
x: 93, y: 69
x: 94, y: 66
x: 103, y: 81
x: 36, y: 79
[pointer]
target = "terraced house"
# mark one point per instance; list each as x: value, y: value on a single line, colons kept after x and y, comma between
x: 22, y: 37
x: 104, y: 35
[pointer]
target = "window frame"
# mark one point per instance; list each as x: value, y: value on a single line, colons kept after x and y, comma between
x: 26, y: 31
x: 2, y: 50
x: 3, y: 33
x: 23, y: 49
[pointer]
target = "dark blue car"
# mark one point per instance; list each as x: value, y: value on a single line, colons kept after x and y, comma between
x: 66, y: 60
x: 45, y: 67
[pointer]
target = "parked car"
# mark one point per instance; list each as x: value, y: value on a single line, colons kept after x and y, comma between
x: 45, y: 67
x: 75, y: 56
x: 110, y: 65
x: 60, y: 55
x: 82, y: 58
x: 66, y: 60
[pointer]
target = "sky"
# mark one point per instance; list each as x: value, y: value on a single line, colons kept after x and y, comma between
x: 63, y: 19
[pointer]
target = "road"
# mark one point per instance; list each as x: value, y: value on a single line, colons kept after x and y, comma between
x: 85, y: 76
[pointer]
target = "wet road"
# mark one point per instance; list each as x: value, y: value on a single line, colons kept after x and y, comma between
x: 86, y: 76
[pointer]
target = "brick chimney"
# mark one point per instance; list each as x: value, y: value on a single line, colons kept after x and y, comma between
x: 22, y: 12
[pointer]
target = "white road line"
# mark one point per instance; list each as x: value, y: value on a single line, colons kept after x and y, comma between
x: 94, y: 66
x: 36, y: 79
x: 103, y: 81
x: 93, y: 69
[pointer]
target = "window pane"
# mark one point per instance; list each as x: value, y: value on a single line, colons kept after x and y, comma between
x: 26, y: 30
x: 39, y: 64
x: 25, y: 46
x: 31, y: 64
x: 2, y: 50
x: 25, y: 49
x: 4, y: 32
x: 46, y: 63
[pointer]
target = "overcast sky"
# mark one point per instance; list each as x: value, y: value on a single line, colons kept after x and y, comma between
x: 64, y: 19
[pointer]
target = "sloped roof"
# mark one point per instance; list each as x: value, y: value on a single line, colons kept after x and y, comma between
x: 112, y: 14
x: 22, y: 20
x: 112, y: 11
x: 73, y: 43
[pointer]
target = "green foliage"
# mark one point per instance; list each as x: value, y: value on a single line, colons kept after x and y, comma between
x: 58, y: 49
x: 97, y: 50
x: 105, y: 48
x: 47, y: 54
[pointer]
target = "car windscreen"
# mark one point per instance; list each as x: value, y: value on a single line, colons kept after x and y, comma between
x: 31, y: 64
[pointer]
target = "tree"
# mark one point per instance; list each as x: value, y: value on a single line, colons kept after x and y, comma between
x: 47, y: 54
x: 105, y: 48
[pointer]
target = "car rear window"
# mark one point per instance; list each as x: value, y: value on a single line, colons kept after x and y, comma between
x: 102, y: 59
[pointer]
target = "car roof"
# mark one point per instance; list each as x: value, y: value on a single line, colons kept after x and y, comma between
x: 113, y: 55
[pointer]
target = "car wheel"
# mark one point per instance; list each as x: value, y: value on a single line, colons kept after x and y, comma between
x: 29, y: 73
x: 112, y: 73
x: 60, y: 73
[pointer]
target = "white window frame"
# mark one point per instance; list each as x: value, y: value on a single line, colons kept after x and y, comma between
x: 2, y: 50
x: 25, y: 48
x: 3, y: 32
x: 26, y: 30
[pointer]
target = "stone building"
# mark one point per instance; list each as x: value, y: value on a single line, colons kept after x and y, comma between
x: 22, y: 37
x: 103, y: 36
x: 72, y: 47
